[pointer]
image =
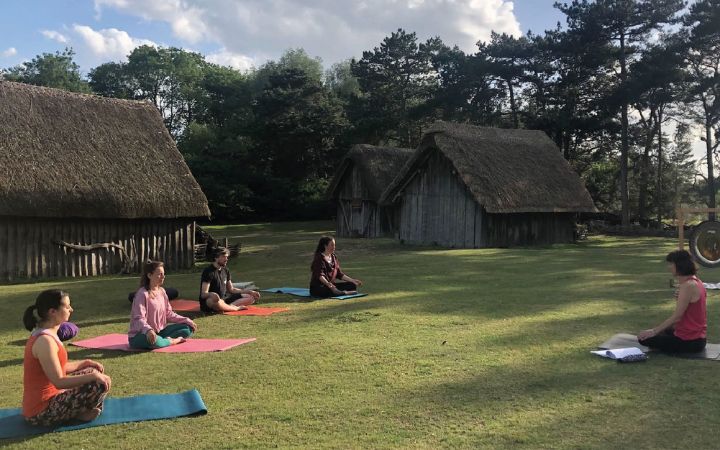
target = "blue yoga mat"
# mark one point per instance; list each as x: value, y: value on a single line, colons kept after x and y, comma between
x: 344, y: 297
x: 115, y: 410
x: 302, y: 292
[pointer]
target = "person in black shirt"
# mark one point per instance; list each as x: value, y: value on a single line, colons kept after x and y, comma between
x: 217, y: 293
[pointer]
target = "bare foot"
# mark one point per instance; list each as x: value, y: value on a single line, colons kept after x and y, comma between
x: 178, y: 340
x: 89, y: 415
x: 240, y: 307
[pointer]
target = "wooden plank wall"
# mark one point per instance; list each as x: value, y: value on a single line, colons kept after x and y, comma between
x: 356, y: 209
x: 28, y: 251
x: 437, y: 209
x: 507, y: 230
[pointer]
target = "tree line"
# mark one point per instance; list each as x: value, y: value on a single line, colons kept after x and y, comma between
x: 623, y: 88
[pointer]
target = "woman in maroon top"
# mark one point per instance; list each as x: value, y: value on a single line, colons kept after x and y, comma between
x: 685, y: 330
x: 326, y: 271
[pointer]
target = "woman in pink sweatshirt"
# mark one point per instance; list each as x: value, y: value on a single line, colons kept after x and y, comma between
x: 151, y: 313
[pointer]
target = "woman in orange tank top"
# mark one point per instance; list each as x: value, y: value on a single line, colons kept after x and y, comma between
x: 56, y: 390
x: 685, y: 330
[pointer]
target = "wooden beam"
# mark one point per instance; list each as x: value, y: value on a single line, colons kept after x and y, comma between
x: 344, y: 214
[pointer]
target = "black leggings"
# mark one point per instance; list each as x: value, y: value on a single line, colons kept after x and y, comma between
x: 668, y: 342
x: 324, y: 291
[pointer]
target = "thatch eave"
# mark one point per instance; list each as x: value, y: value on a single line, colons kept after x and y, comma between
x: 332, y: 190
x: 64, y: 154
x: 377, y: 166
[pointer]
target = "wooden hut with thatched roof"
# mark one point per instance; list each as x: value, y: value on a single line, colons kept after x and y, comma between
x: 89, y: 186
x: 361, y: 178
x: 472, y: 187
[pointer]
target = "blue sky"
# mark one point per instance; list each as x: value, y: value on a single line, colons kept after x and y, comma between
x: 245, y: 33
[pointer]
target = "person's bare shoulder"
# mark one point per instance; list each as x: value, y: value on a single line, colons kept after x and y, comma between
x: 690, y: 288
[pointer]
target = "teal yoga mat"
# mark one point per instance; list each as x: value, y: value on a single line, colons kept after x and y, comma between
x: 302, y: 292
x: 115, y: 410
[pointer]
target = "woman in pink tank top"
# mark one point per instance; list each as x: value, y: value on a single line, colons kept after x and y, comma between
x: 685, y: 330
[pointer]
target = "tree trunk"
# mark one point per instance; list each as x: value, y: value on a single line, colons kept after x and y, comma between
x: 513, y: 109
x: 644, y: 174
x: 624, y: 147
x: 710, y: 177
x: 659, y: 187
x: 567, y: 141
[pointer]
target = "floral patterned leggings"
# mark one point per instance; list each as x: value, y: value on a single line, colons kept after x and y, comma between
x: 71, y: 402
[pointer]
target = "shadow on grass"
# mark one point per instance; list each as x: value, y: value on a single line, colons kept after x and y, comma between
x: 532, y: 400
x: 11, y: 362
x: 91, y: 353
x: 92, y: 323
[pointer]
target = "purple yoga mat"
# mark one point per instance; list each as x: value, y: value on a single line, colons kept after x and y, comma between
x: 118, y: 341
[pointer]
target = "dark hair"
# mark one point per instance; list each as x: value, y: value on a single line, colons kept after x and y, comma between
x: 47, y: 300
x: 323, y: 243
x: 683, y: 260
x: 219, y: 251
x: 149, y: 268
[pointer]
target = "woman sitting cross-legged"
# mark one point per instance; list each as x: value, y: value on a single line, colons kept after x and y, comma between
x: 326, y: 270
x: 151, y: 312
x: 55, y: 389
x: 684, y: 331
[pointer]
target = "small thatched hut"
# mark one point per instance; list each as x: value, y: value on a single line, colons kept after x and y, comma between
x: 471, y: 187
x: 90, y: 185
x: 361, y: 178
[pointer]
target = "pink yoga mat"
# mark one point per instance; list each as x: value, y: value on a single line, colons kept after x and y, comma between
x: 118, y: 341
x: 194, y: 306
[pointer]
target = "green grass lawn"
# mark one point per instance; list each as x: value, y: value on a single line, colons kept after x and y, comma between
x: 452, y: 348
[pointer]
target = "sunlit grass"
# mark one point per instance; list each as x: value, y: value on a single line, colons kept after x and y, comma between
x: 479, y: 348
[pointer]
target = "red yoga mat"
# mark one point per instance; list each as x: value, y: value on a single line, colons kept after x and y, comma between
x: 118, y: 341
x: 194, y: 306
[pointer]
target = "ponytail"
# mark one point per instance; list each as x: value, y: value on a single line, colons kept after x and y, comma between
x: 47, y: 300
x: 29, y: 319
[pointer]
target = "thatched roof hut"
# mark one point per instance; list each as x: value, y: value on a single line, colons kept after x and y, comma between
x: 66, y: 157
x: 362, y: 176
x: 501, y: 186
x: 74, y: 155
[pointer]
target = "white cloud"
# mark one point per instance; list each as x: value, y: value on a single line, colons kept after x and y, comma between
x: 108, y: 44
x: 234, y: 60
x: 332, y: 29
x: 12, y: 51
x: 185, y: 20
x: 55, y: 36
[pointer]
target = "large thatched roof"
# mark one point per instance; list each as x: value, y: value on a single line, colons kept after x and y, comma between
x: 378, y: 166
x: 74, y: 155
x: 506, y: 171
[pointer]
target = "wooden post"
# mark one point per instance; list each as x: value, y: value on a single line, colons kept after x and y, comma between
x: 681, y: 228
